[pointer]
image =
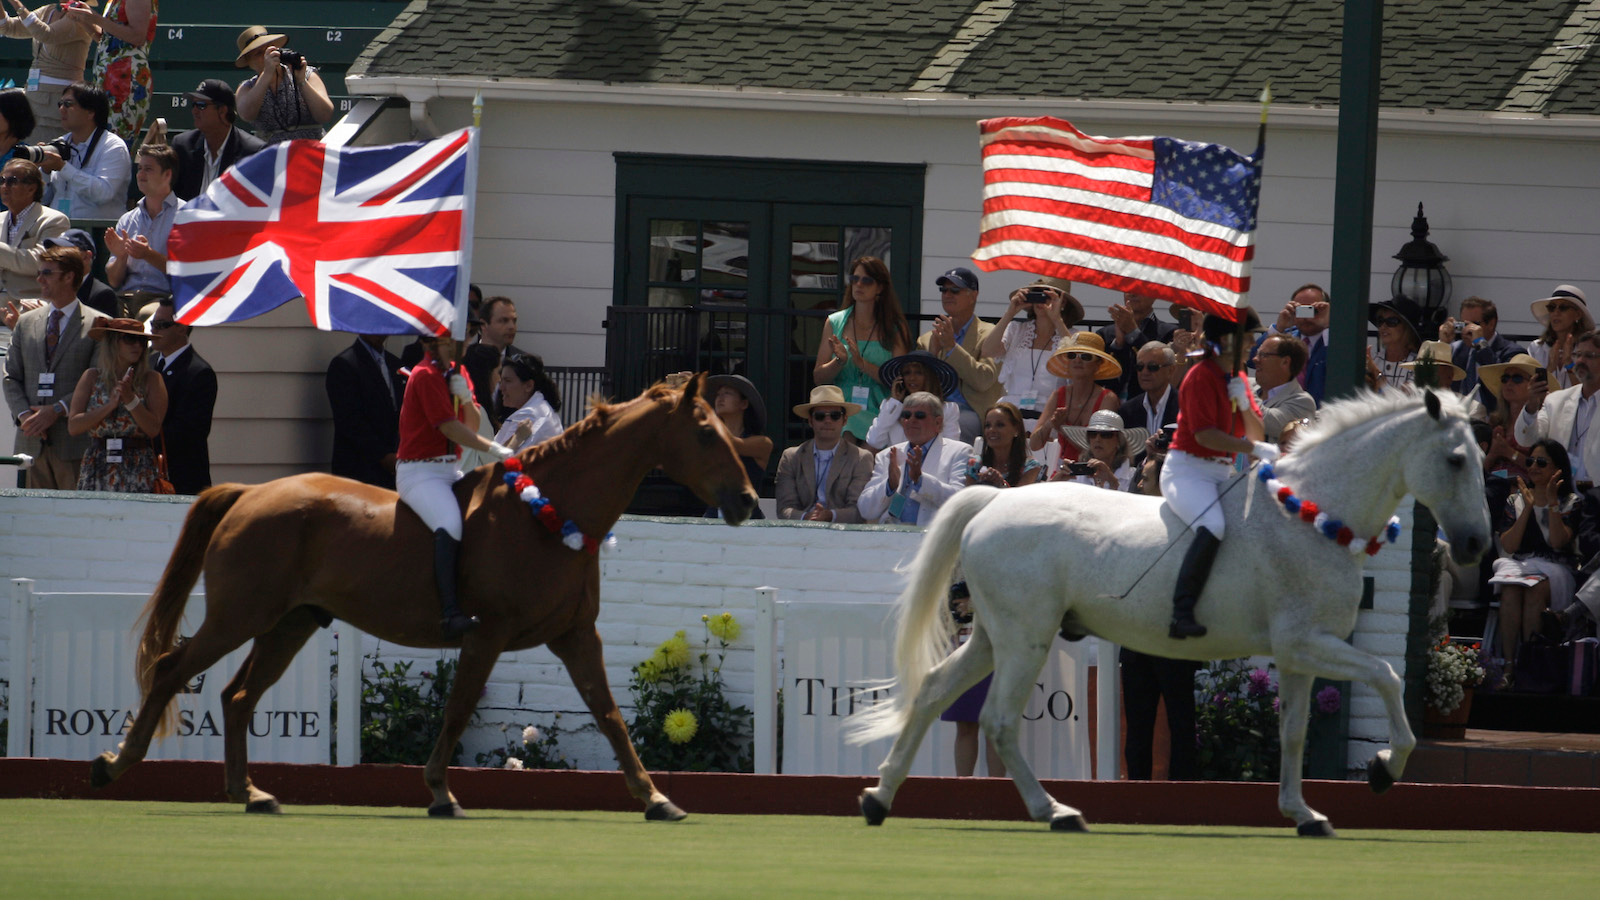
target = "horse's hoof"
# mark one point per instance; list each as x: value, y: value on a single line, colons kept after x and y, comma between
x: 872, y: 809
x: 1378, y: 776
x: 451, y: 810
x: 1316, y: 828
x: 1073, y: 822
x: 268, y: 804
x: 665, y: 811
x: 100, y: 770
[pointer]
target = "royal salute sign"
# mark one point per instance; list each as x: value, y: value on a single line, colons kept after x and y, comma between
x: 74, y: 666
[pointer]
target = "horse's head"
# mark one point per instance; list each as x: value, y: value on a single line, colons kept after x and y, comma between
x: 1443, y: 468
x: 696, y: 451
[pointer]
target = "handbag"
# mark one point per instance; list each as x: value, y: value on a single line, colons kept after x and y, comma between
x: 1543, y: 666
x: 163, y: 483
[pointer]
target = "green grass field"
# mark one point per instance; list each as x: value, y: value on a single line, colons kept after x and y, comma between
x: 100, y: 848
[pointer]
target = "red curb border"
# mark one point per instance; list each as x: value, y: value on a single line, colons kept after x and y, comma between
x: 1347, y: 804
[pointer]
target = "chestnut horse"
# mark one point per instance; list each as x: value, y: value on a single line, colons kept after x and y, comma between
x: 283, y: 557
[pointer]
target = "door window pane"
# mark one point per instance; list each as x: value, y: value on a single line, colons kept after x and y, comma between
x: 814, y: 256
x: 862, y: 241
x: 673, y: 250
x: 725, y: 253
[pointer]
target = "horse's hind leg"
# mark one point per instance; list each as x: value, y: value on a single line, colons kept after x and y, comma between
x: 1294, y: 692
x: 1015, y: 676
x: 952, y: 677
x: 173, y: 670
x: 271, y: 655
x: 579, y: 649
x: 472, y: 672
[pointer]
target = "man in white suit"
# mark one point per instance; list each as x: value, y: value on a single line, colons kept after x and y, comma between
x: 912, y: 479
x: 845, y: 467
x: 1568, y: 415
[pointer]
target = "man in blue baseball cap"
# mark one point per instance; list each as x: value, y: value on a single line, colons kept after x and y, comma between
x: 955, y: 338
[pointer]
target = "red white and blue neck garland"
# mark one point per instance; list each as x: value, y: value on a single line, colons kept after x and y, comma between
x: 545, y: 512
x: 1331, y: 528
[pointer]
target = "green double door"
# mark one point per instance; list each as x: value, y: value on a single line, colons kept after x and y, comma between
x: 767, y: 270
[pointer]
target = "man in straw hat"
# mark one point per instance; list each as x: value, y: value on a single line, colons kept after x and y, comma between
x: 50, y: 349
x: 820, y: 480
x: 214, y: 145
x: 1218, y: 417
x: 956, y: 338
x: 1568, y: 415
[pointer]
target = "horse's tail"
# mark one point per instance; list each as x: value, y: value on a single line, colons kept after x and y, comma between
x: 923, y: 627
x: 164, y: 611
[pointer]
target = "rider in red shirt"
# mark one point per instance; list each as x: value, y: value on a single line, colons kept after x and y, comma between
x: 1217, y: 417
x: 437, y: 419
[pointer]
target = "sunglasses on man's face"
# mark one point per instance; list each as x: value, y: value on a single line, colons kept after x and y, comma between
x: 199, y: 104
x: 14, y: 180
x: 48, y: 273
x: 66, y: 103
x: 913, y: 414
x: 163, y: 325
x: 832, y: 415
x: 867, y: 280
x: 950, y: 289
x: 1150, y: 367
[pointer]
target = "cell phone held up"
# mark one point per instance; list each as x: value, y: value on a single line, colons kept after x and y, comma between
x: 1079, y: 469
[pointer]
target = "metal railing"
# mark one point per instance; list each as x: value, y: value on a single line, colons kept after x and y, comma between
x: 577, y: 384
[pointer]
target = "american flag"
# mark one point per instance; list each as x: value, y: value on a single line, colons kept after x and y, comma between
x: 377, y: 240
x: 1158, y: 216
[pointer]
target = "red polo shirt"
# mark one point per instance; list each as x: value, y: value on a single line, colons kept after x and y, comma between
x: 428, y: 405
x: 1203, y: 403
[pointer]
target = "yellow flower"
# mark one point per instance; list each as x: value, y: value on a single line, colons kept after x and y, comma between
x: 674, y: 651
x: 680, y: 726
x: 724, y: 627
x: 650, y: 670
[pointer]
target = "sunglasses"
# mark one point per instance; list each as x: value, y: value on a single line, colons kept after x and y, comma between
x: 1071, y: 356
x: 1586, y: 354
x: 867, y: 280
x: 200, y: 104
x: 1104, y: 434
x: 1559, y: 307
x: 830, y: 416
x: 950, y: 289
x: 13, y: 180
x: 1150, y: 367
x: 1513, y: 378
x: 48, y: 273
x: 130, y: 339
x: 1540, y: 462
x: 913, y: 414
x: 1391, y: 322
x: 162, y: 326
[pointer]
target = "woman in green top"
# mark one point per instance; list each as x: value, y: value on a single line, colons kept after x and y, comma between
x: 868, y: 330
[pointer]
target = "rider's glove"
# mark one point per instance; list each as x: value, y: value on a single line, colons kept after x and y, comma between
x: 1265, y: 452
x: 500, y: 451
x: 459, y: 388
x: 1239, y: 390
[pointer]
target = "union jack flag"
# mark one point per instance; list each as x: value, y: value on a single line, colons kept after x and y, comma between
x: 378, y: 240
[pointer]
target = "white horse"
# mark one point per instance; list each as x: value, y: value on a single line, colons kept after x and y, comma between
x: 1054, y: 556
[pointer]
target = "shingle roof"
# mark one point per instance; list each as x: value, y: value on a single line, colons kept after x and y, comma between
x: 1440, y: 54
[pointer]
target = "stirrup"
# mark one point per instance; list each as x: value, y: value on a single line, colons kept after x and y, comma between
x: 457, y: 624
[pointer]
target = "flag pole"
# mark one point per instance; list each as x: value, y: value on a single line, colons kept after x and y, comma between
x: 1239, y: 327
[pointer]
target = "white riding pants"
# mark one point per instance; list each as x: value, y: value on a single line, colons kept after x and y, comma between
x: 1190, y: 485
x: 425, y: 486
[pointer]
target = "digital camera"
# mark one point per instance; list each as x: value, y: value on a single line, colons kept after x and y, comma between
x: 294, y: 59
x: 1036, y: 295
x: 34, y: 153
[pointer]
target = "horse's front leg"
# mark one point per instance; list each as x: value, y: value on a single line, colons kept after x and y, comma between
x: 477, y: 660
x: 579, y: 649
x: 1331, y: 657
x: 1294, y: 695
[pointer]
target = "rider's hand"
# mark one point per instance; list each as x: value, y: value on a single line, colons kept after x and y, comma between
x: 1239, y: 391
x: 1264, y: 451
x: 459, y: 388
x: 500, y: 451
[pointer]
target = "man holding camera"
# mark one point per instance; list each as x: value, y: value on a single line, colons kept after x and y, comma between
x: 214, y: 145
x: 1475, y: 341
x: 89, y: 165
x: 286, y: 98
x: 1306, y: 317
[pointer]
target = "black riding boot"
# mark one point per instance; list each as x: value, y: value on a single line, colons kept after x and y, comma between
x: 452, y: 621
x: 1192, y: 577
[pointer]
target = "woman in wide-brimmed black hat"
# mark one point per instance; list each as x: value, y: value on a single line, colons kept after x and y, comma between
x: 905, y: 375
x: 1400, y: 331
x: 740, y: 407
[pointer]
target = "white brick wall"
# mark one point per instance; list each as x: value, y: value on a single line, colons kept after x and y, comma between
x: 1381, y: 630
x: 663, y: 576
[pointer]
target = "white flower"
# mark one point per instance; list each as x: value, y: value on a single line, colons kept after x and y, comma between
x: 513, y: 763
x: 530, y: 735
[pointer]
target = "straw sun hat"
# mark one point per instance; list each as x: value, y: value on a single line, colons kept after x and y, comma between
x: 104, y: 326
x: 1084, y: 342
x: 1490, y: 375
x: 1569, y: 294
x: 254, y: 38
x: 1438, y: 352
x: 827, y: 395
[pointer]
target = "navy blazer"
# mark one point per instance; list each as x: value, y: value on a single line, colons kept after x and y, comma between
x: 1497, y: 350
x: 1134, y: 416
x: 190, y: 148
x: 186, y: 430
x: 366, y: 415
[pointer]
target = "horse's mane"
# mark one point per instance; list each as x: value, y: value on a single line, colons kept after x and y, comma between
x: 1341, y: 416
x: 601, y: 414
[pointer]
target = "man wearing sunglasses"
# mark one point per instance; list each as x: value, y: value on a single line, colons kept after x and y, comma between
x: 1156, y: 373
x: 50, y: 349
x: 912, y: 479
x: 1568, y: 415
x: 957, y: 338
x: 821, y: 480
x: 214, y: 145
x: 191, y: 398
x: 93, y: 293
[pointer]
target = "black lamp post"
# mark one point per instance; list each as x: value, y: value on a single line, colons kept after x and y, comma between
x: 1421, y: 276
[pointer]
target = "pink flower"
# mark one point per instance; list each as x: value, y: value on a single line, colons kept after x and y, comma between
x: 1260, y: 682
x: 1329, y: 700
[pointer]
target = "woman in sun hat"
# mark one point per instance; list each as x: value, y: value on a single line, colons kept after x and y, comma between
x: 284, y: 101
x: 1511, y: 383
x: 120, y: 403
x: 904, y: 375
x: 1024, y: 343
x: 1082, y: 361
x: 1399, y: 336
x: 1564, y: 315
x: 1108, y: 449
x: 1218, y: 417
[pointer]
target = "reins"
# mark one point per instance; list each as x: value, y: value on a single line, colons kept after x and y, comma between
x: 1187, y: 527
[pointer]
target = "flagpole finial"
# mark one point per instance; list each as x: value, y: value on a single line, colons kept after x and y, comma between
x: 477, y: 109
x: 1266, y: 100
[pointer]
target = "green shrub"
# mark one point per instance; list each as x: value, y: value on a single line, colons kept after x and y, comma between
x: 683, y: 721
x: 400, y: 716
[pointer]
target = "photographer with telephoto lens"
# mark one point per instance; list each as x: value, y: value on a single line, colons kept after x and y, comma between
x: 286, y: 98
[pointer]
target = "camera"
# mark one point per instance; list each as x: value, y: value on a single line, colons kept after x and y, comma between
x: 1163, y: 439
x: 1080, y: 469
x: 1304, y: 311
x: 294, y: 59
x: 1036, y: 295
x: 34, y: 153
